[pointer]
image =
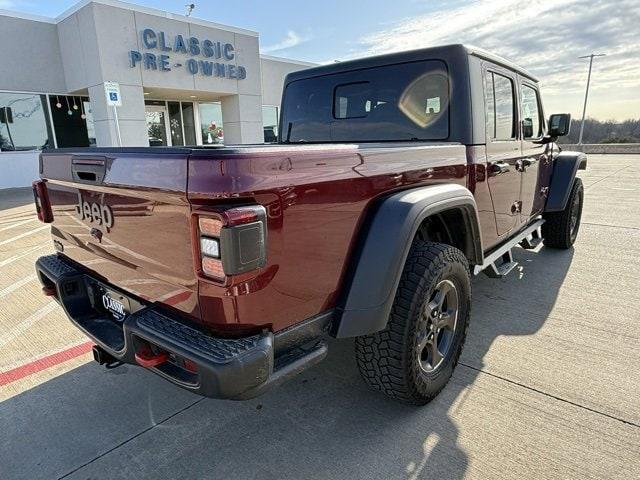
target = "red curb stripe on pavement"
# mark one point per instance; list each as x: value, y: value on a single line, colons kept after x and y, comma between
x: 44, y: 363
x: 68, y: 354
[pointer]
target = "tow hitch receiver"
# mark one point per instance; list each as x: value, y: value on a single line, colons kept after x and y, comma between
x: 103, y: 357
x: 148, y: 359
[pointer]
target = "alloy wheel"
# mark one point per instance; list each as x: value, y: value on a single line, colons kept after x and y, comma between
x: 437, y: 326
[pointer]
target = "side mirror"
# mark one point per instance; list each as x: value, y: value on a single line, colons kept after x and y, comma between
x: 559, y: 124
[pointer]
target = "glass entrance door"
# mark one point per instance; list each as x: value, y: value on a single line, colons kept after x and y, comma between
x: 157, y: 125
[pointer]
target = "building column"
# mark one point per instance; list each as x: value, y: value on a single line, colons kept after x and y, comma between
x: 242, y: 119
x: 131, y: 117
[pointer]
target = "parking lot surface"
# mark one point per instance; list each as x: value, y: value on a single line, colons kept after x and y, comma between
x: 548, y: 385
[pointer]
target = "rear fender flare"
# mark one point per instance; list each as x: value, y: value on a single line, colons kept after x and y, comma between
x: 383, y: 250
x: 565, y: 167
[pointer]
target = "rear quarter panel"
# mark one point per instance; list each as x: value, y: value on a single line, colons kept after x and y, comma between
x: 316, y: 198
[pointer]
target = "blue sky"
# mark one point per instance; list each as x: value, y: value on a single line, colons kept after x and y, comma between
x: 544, y: 37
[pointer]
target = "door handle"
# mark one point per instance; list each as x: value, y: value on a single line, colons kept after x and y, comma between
x: 498, y: 168
x: 86, y: 169
x: 527, y: 162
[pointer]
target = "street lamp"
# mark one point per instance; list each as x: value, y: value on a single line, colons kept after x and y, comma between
x: 586, y: 94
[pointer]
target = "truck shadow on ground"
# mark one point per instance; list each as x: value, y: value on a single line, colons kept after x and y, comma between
x: 126, y: 422
x: 15, y: 197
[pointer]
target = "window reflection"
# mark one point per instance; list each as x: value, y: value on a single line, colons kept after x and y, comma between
x: 211, y: 123
x: 23, y: 122
x: 270, y: 123
x: 499, y: 93
x: 530, y: 113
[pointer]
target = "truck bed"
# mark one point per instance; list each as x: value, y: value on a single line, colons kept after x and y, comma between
x: 316, y: 198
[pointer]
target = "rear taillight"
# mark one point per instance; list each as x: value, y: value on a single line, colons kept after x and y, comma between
x: 232, y: 241
x: 41, y: 198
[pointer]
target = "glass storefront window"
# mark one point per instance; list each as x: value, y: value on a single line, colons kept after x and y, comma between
x: 24, y: 123
x: 189, y: 123
x: 91, y: 129
x: 270, y: 123
x: 211, y: 123
x: 72, y: 121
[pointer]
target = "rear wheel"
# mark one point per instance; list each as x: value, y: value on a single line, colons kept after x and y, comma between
x: 560, y: 229
x: 413, y: 358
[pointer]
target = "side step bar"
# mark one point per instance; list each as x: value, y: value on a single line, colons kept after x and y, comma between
x: 500, y: 262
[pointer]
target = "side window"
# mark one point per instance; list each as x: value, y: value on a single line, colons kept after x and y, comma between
x: 500, y: 103
x: 352, y: 100
x: 531, y: 124
x: 490, y: 105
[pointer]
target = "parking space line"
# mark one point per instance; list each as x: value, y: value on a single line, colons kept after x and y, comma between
x: 44, y: 363
x: 22, y: 235
x: 23, y: 254
x: 17, y: 285
x: 24, y: 222
x: 23, y: 326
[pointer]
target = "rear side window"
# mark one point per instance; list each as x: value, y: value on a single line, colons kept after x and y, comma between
x: 499, y: 93
x: 531, y: 124
x: 393, y: 103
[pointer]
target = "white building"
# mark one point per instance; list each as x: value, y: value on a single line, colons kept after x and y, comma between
x: 183, y: 81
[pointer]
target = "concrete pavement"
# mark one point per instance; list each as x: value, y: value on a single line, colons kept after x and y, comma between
x: 547, y: 387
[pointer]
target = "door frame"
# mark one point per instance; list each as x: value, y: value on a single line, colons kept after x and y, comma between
x: 535, y: 155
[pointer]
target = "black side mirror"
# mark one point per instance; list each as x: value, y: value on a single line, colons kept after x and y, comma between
x: 559, y: 124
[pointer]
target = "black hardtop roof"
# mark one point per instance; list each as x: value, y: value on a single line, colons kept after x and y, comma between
x: 447, y: 53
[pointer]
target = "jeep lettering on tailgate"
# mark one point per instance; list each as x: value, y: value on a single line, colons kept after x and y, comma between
x: 92, y: 212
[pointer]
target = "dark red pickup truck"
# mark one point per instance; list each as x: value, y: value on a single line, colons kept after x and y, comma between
x: 394, y: 180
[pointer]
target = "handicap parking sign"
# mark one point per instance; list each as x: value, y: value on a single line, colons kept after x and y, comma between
x: 112, y: 90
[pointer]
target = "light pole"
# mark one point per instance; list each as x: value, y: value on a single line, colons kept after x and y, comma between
x: 586, y: 94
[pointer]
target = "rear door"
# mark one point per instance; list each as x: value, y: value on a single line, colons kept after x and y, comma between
x: 503, y: 146
x: 536, y: 163
x: 125, y: 216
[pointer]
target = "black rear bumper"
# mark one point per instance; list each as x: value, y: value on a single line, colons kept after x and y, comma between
x: 224, y: 368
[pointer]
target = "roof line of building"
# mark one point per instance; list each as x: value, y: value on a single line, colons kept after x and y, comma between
x: 288, y: 60
x: 27, y: 16
x: 127, y: 6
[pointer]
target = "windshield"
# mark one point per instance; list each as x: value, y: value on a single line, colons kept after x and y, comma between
x: 402, y: 102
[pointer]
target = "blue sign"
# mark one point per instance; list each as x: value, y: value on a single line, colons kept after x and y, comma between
x: 214, y: 62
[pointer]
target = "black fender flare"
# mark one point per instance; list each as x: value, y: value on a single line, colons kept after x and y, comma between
x: 379, y: 260
x: 565, y: 167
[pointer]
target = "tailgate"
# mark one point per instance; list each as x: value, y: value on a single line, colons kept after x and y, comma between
x: 125, y: 216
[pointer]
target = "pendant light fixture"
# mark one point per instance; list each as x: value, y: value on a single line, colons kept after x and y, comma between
x: 82, y: 116
x: 75, y: 107
x: 69, y: 111
x: 58, y: 104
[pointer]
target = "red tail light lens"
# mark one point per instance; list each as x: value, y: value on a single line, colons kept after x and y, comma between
x: 212, y: 267
x: 241, y: 215
x: 210, y: 226
x: 41, y: 198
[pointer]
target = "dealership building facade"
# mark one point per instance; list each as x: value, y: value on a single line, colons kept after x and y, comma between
x: 182, y: 81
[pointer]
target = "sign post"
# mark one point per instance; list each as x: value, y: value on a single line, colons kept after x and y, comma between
x: 112, y: 92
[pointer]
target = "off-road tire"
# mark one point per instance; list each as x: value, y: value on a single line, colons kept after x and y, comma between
x: 557, y: 230
x: 388, y: 360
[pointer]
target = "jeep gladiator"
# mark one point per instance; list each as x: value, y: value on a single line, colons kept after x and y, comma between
x: 394, y: 180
